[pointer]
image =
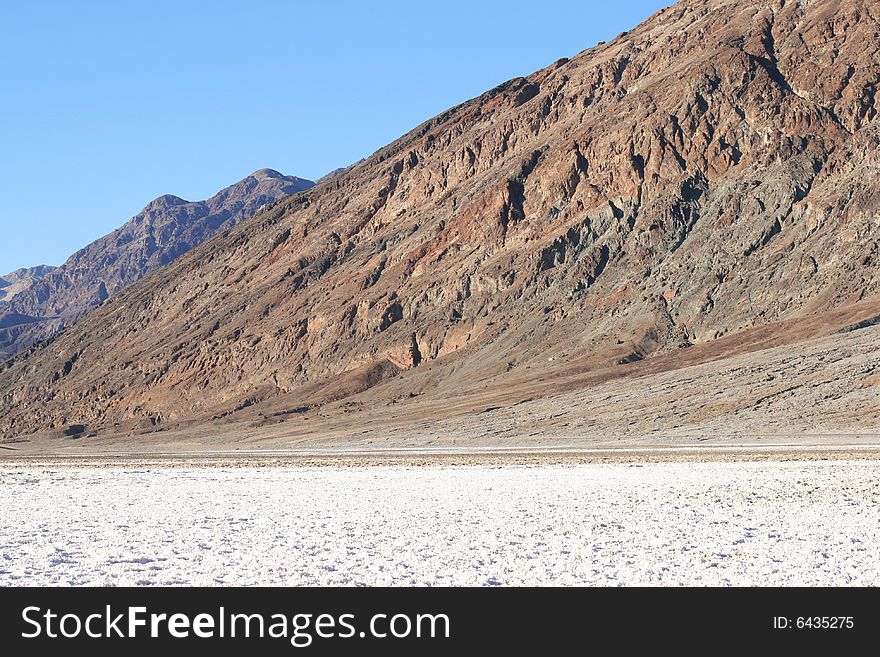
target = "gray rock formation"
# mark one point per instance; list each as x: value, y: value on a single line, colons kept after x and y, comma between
x: 15, y: 282
x: 42, y: 301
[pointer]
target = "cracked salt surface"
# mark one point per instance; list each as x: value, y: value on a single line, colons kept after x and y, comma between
x: 793, y: 523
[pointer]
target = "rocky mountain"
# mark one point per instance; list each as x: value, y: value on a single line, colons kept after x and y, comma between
x: 330, y: 175
x: 21, y: 279
x: 44, y: 300
x: 702, y: 187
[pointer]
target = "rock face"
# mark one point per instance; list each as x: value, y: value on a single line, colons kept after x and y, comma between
x: 330, y: 175
x: 21, y: 279
x: 43, y: 300
x: 711, y: 172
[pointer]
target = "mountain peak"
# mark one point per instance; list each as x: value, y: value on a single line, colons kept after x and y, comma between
x: 262, y: 174
x: 167, y: 227
x: 164, y: 201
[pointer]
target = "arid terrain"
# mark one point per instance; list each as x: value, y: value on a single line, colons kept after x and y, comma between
x: 667, y: 524
x: 669, y: 238
x: 613, y: 323
x: 825, y: 392
x: 38, y: 303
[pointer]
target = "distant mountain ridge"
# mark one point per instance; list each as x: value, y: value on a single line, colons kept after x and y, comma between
x: 20, y: 279
x: 37, y: 303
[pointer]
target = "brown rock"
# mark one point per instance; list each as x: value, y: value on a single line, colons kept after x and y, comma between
x: 726, y: 150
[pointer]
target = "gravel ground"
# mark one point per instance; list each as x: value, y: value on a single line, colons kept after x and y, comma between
x: 733, y: 523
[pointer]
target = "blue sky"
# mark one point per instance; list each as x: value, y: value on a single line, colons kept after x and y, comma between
x: 106, y: 105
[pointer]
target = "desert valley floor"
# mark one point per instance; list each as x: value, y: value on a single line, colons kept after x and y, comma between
x: 725, y: 520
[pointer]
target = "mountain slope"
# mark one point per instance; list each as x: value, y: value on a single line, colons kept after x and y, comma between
x: 166, y: 228
x: 654, y: 199
x: 15, y: 282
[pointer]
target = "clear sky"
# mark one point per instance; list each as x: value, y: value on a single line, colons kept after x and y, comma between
x: 106, y: 105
